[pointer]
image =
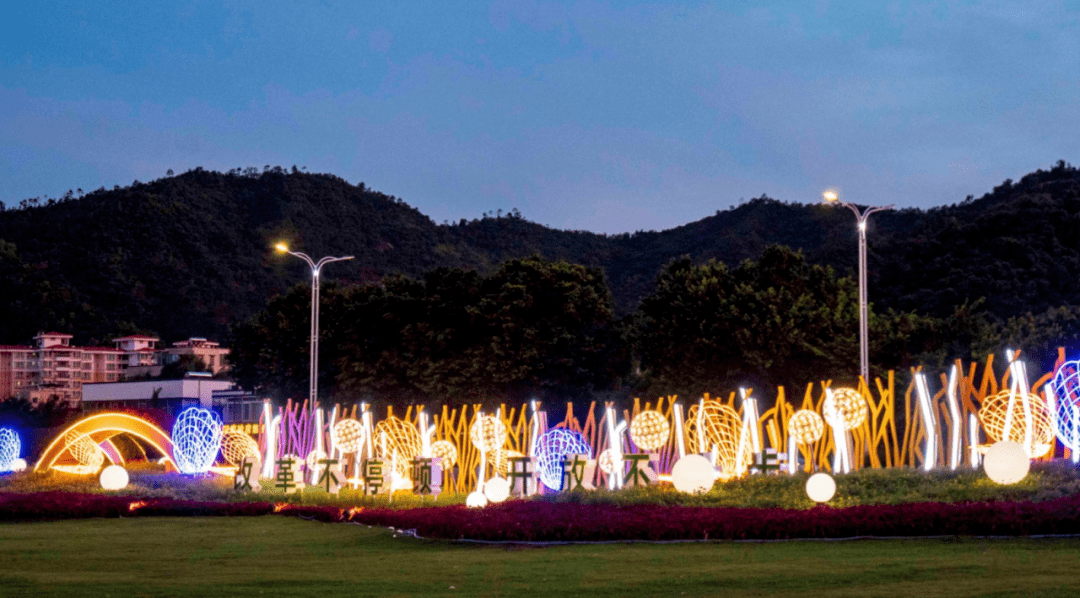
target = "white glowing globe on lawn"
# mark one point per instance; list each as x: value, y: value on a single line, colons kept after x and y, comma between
x: 693, y: 474
x: 1006, y: 462
x: 18, y: 464
x: 821, y: 487
x: 497, y: 489
x: 476, y: 500
x: 114, y: 477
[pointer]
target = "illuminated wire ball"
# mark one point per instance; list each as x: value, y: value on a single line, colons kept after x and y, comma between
x: 403, y: 443
x: 196, y: 438
x: 845, y: 408
x: 347, y: 435
x: 721, y: 427
x: 487, y: 433
x: 649, y: 430
x: 605, y: 461
x: 237, y: 445
x: 446, y: 450
x: 10, y: 446
x: 994, y: 416
x: 806, y: 426
x: 552, y: 448
x: 1066, y: 387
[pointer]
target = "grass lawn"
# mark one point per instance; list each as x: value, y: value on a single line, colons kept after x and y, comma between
x: 280, y: 556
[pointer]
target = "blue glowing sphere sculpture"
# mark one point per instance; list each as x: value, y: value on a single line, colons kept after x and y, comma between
x: 553, y: 446
x: 1066, y: 387
x: 10, y: 445
x: 196, y: 437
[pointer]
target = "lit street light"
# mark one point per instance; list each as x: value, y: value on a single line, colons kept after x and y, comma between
x: 313, y: 386
x: 864, y: 327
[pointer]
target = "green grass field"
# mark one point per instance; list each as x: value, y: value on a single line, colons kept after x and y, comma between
x: 279, y: 556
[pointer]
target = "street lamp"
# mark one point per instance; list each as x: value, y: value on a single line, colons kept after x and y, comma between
x: 864, y: 327
x: 313, y: 386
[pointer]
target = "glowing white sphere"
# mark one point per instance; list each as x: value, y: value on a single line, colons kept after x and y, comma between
x: 10, y: 446
x: 114, y: 477
x: 476, y: 500
x: 18, y: 464
x: 693, y: 474
x: 821, y: 487
x: 497, y: 489
x: 1006, y: 462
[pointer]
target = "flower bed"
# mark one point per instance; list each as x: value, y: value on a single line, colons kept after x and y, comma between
x: 546, y: 521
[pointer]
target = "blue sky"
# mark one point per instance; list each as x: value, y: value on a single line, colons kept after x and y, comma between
x: 603, y: 116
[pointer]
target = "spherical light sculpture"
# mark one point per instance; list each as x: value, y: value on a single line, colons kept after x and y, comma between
x: 446, y: 450
x: 721, y: 427
x: 605, y: 461
x: 1006, y: 462
x: 693, y: 474
x: 18, y: 464
x: 113, y: 477
x: 552, y: 448
x: 347, y: 435
x: 845, y: 408
x: 1066, y: 386
x: 497, y: 489
x: 994, y: 412
x: 649, y: 430
x: 476, y: 500
x: 806, y: 426
x: 85, y: 451
x: 235, y: 446
x: 821, y: 487
x: 487, y: 433
x: 403, y: 439
x: 312, y: 460
x: 196, y: 438
x: 10, y: 447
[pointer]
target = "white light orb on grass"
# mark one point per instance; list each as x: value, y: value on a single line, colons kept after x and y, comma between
x: 114, y: 477
x: 497, y: 489
x: 18, y: 464
x: 1006, y: 462
x: 821, y: 487
x: 476, y: 500
x: 693, y: 474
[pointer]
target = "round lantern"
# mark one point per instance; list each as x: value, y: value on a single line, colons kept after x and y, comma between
x: 1006, y: 462
x: 487, y: 433
x: 821, y: 487
x: 552, y: 448
x: 446, y: 450
x: 845, y: 408
x: 113, y: 477
x: 605, y: 461
x: 693, y: 474
x: 649, y: 430
x: 347, y: 435
x: 235, y: 446
x: 10, y: 447
x: 497, y: 489
x: 196, y: 438
x: 806, y: 426
x: 995, y: 410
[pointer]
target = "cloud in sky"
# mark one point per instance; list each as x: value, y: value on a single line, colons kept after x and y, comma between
x: 606, y: 116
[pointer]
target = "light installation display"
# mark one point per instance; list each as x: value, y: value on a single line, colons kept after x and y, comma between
x: 846, y: 410
x: 649, y: 430
x: 347, y: 435
x: 76, y: 449
x: 10, y: 447
x: 113, y: 477
x: 1002, y: 423
x: 1065, y: 387
x: 400, y: 441
x: 237, y: 445
x: 499, y: 459
x: 488, y: 433
x: 605, y: 462
x: 445, y: 450
x: 713, y: 426
x: 552, y: 449
x: 87, y: 454
x: 806, y: 426
x: 196, y: 438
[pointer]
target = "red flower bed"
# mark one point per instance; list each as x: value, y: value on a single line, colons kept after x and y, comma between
x: 533, y: 521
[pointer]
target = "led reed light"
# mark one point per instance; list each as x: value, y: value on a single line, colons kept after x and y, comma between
x: 347, y: 435
x: 488, y: 433
x: 402, y: 440
x: 711, y: 424
x: 554, y: 446
x: 649, y: 430
x: 957, y: 422
x: 447, y: 451
x: 237, y: 445
x: 921, y: 389
x: 806, y: 426
x: 996, y: 416
x: 196, y: 438
x: 845, y: 408
x: 10, y: 446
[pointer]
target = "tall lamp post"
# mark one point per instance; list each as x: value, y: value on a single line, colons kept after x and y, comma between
x: 864, y: 326
x: 313, y: 386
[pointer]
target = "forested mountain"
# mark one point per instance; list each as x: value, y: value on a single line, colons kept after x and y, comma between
x: 191, y: 254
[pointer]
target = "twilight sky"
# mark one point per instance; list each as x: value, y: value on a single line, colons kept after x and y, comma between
x: 604, y: 116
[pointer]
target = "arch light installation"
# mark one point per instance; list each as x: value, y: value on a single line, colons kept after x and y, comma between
x: 99, y: 428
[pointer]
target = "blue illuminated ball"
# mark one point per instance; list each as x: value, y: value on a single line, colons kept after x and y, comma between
x: 552, y: 448
x: 10, y: 445
x: 196, y: 437
x: 1066, y: 386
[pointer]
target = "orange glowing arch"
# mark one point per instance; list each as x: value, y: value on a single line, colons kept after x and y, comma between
x: 101, y: 428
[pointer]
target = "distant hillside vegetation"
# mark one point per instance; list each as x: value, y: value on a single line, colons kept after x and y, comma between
x: 191, y: 254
